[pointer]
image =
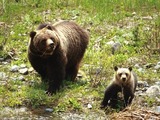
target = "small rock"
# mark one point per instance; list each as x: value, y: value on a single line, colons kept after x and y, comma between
x: 2, y: 23
x: 16, y: 59
x: 4, y: 63
x: 141, y: 70
x: 110, y: 43
x: 134, y: 13
x: 115, y: 47
x: 22, y: 66
x: 157, y: 83
x: 49, y: 110
x: 1, y: 59
x: 157, y: 109
x: 30, y: 69
x: 136, y: 66
x: 89, y: 106
x: 157, y: 67
x: 147, y: 18
x: 21, y: 78
x: 21, y: 110
x: 23, y: 71
x: 149, y: 65
x: 2, y: 75
x: 158, y: 63
x: 142, y: 84
x: 153, y: 90
x: 14, y: 68
x: 133, y: 60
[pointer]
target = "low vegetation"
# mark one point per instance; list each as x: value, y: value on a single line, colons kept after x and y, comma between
x: 134, y: 24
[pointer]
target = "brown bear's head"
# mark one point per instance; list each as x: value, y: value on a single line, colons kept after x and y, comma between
x: 44, y: 41
x: 123, y: 75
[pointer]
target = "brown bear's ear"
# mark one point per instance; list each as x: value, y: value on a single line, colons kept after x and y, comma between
x: 49, y: 27
x: 115, y: 68
x: 32, y: 34
x: 130, y: 68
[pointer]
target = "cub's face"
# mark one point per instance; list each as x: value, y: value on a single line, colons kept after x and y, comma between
x: 123, y: 74
x: 43, y: 41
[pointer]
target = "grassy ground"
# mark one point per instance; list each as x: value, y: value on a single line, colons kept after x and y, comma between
x: 135, y: 22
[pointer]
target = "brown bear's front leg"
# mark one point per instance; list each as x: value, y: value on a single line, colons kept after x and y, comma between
x: 38, y: 64
x: 56, y: 74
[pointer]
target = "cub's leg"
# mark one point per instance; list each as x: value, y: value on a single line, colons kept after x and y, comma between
x: 110, y: 92
x: 128, y: 96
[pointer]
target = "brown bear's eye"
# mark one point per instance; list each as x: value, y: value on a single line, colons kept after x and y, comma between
x: 43, y: 42
x: 120, y: 74
x: 126, y: 74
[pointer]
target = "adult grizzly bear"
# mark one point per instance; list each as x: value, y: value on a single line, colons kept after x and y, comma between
x: 125, y: 81
x: 55, y: 52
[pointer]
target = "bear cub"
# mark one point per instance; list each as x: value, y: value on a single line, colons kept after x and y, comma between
x: 55, y: 52
x: 125, y: 81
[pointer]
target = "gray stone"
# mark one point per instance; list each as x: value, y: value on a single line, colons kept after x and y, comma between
x: 30, y: 69
x: 4, y: 62
x: 158, y: 63
x: 149, y: 65
x: 14, y: 68
x: 157, y: 67
x: 157, y: 109
x: 147, y: 18
x: 142, y: 84
x: 2, y: 75
x: 115, y: 47
x: 157, y: 83
x: 153, y: 90
x: 1, y: 59
x: 49, y: 110
x: 89, y: 106
x: 21, y: 78
x: 23, y: 71
x: 136, y: 66
x: 16, y: 59
x: 141, y: 70
x: 22, y: 66
x: 110, y: 43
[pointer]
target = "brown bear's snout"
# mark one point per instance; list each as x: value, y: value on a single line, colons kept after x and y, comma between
x: 51, y: 45
x: 123, y: 79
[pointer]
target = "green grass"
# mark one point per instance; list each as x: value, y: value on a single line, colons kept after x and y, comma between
x: 106, y: 19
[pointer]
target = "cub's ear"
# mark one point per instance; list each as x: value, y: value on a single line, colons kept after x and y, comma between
x: 49, y: 27
x: 32, y: 34
x: 115, y: 68
x: 130, y: 68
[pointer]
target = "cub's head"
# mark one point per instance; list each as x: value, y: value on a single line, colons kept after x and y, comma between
x: 123, y: 74
x: 43, y: 41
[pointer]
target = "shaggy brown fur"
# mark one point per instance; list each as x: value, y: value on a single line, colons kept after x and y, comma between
x: 55, y: 52
x: 125, y: 81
